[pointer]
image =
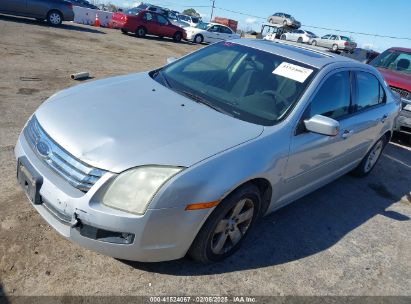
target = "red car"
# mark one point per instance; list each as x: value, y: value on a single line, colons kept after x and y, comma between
x: 147, y: 22
x: 395, y: 65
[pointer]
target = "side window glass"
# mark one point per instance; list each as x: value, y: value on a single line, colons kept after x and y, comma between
x: 333, y: 98
x: 369, y: 91
x: 162, y: 20
x: 213, y: 29
x: 325, y: 37
x: 148, y: 17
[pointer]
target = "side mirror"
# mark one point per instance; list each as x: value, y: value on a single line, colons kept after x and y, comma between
x: 322, y: 125
x: 171, y: 60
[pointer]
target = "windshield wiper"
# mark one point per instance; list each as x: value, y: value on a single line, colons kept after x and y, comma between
x: 203, y: 101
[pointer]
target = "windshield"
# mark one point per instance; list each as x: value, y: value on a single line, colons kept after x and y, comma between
x: 394, y: 60
x: 202, y: 25
x: 239, y: 81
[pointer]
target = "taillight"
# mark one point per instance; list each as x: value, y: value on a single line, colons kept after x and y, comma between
x: 346, y: 43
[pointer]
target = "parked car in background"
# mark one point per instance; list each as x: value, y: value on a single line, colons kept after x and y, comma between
x: 173, y: 17
x: 271, y: 31
x: 147, y: 22
x: 191, y: 21
x: 210, y: 33
x: 187, y: 157
x: 361, y: 55
x: 232, y: 24
x: 82, y: 3
x: 335, y: 43
x: 284, y: 19
x: 395, y: 65
x: 54, y: 11
x: 300, y: 36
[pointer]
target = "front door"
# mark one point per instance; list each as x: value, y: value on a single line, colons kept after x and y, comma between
x: 314, y: 158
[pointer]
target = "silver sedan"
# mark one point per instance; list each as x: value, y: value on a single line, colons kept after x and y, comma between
x: 186, y: 158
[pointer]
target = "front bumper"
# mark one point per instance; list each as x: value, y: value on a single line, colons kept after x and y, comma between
x: 403, y: 122
x: 158, y: 235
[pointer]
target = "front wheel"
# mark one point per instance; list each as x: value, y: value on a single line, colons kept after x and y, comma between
x: 226, y: 228
x: 314, y: 43
x: 371, y: 159
x: 283, y: 37
x: 300, y: 40
x: 54, y: 18
x: 198, y: 39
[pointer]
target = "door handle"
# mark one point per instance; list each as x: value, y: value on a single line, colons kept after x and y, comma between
x: 384, y: 118
x: 347, y: 133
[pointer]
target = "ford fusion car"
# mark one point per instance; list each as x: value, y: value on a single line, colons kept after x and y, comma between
x: 187, y: 157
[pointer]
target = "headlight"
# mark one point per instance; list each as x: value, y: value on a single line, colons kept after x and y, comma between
x: 134, y: 189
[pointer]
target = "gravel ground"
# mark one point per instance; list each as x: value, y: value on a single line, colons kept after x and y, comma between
x: 353, y: 237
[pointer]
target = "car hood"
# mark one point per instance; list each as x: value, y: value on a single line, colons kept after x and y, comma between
x: 395, y: 79
x: 123, y: 122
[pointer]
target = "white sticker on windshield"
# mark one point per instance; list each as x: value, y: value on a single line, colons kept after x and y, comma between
x: 293, y: 71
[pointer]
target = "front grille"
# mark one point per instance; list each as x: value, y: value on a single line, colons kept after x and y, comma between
x: 404, y: 93
x: 75, y: 172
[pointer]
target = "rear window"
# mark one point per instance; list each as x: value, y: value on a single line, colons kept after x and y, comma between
x: 345, y: 38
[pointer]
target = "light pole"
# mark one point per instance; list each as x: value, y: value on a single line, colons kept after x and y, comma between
x: 212, y: 10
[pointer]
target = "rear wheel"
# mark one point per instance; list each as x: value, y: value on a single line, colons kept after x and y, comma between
x: 141, y: 32
x: 54, y: 18
x: 371, y: 159
x: 226, y: 228
x: 124, y: 31
x: 283, y: 37
x: 335, y: 48
x: 300, y: 40
x: 314, y: 43
x: 198, y: 39
x: 177, y: 37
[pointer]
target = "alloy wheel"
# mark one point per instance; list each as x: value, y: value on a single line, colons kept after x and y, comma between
x: 373, y: 156
x: 231, y: 229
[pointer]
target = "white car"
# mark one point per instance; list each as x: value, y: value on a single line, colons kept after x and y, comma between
x: 190, y: 20
x: 299, y: 36
x: 210, y: 33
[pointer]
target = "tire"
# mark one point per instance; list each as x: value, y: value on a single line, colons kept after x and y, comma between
x: 54, y: 18
x: 222, y: 233
x: 285, y: 22
x: 141, y: 32
x: 370, y: 160
x: 177, y: 37
x: 300, y: 40
x: 124, y: 31
x: 283, y: 37
x: 335, y: 48
x: 314, y: 43
x: 198, y: 39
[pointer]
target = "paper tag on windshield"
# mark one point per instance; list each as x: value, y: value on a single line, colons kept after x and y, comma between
x: 293, y: 71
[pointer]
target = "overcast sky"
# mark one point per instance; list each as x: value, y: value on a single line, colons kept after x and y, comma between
x: 388, y: 18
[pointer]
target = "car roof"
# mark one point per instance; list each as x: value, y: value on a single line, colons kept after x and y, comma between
x: 401, y: 49
x: 303, y: 54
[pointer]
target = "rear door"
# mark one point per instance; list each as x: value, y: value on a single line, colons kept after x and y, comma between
x: 369, y: 111
x: 13, y: 6
x: 149, y: 21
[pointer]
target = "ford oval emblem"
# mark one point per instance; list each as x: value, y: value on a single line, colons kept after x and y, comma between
x: 43, y: 148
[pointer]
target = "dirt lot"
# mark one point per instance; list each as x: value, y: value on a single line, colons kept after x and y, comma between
x: 352, y: 237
